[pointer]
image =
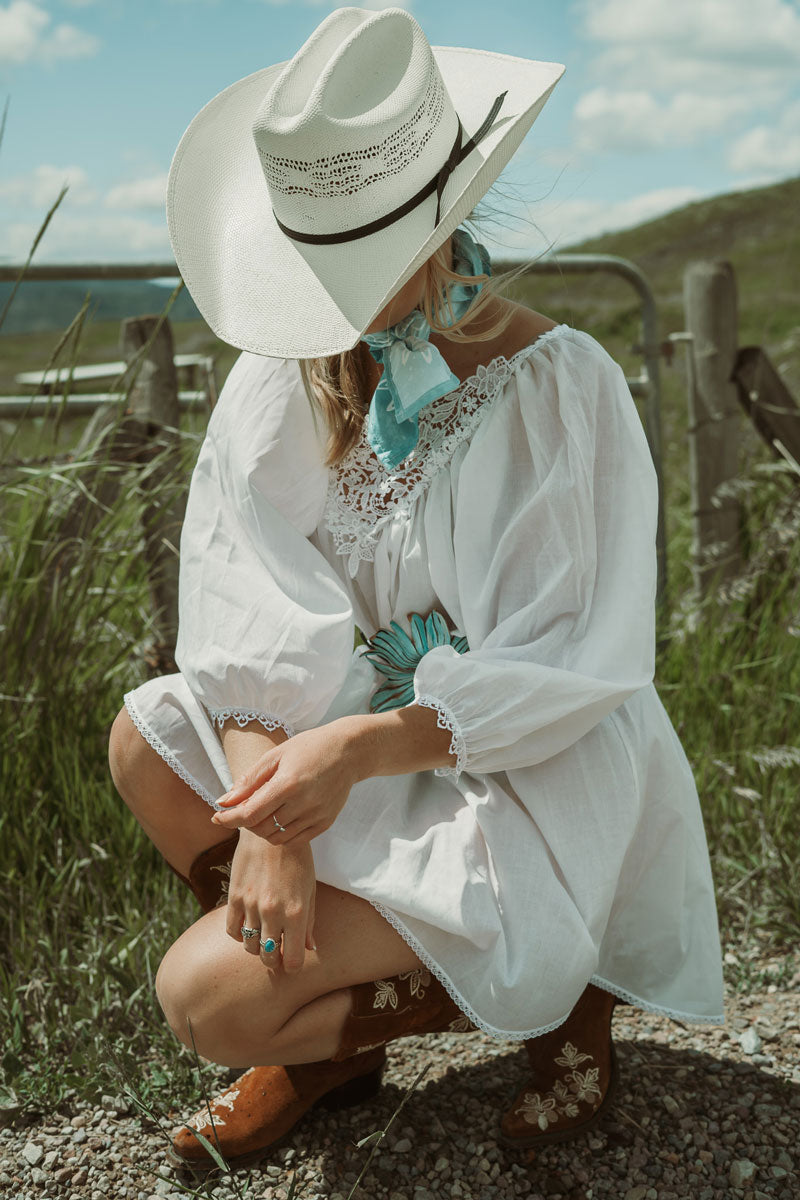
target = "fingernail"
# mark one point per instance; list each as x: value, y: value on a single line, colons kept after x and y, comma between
x: 313, y: 945
x: 215, y: 820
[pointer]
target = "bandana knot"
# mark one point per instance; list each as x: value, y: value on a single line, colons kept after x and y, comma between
x: 414, y: 372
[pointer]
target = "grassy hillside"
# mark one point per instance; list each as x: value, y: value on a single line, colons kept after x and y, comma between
x: 44, y: 307
x: 757, y: 231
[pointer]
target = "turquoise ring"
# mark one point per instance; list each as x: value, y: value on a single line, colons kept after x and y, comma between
x: 268, y: 946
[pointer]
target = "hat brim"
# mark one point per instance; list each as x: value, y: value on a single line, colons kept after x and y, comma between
x: 260, y: 291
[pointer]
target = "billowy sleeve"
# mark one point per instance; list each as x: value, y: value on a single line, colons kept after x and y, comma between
x: 554, y: 526
x: 265, y: 626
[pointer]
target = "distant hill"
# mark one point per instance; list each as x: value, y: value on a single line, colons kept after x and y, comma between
x: 757, y: 231
x: 40, y: 306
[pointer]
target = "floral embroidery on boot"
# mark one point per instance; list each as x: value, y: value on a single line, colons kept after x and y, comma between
x: 385, y: 993
x: 575, y: 1088
x: 224, y: 870
x: 418, y: 979
x: 573, y: 1071
x: 411, y: 1003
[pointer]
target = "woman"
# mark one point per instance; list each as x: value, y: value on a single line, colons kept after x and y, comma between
x: 482, y: 818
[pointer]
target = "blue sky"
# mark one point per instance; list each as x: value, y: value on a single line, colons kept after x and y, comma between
x: 662, y: 102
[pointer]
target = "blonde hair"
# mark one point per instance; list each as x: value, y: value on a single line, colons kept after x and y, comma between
x: 338, y: 385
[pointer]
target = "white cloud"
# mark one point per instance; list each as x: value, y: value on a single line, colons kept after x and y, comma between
x: 25, y: 36
x: 671, y: 74
x: 91, y: 238
x: 139, y: 193
x: 40, y: 188
x: 770, y: 150
x: 371, y: 5
x: 637, y: 120
x: 697, y: 38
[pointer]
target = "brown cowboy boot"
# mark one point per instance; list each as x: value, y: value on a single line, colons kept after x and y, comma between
x: 254, y: 1114
x: 262, y: 1105
x: 574, y: 1075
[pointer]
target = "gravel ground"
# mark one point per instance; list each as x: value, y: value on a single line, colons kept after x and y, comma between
x: 702, y: 1112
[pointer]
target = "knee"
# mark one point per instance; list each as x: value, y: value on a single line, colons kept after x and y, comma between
x: 179, y: 995
x: 128, y: 754
x: 200, y: 980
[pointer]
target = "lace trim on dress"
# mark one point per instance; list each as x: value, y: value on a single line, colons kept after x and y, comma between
x: 674, y: 1014
x: 516, y: 1035
x: 162, y: 750
x: 362, y: 495
x: 446, y: 720
x: 243, y: 716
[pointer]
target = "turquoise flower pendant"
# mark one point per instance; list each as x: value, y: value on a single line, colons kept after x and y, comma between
x: 395, y: 654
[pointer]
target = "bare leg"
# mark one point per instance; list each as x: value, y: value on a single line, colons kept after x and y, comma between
x: 174, y: 817
x: 241, y: 1011
x: 244, y: 1012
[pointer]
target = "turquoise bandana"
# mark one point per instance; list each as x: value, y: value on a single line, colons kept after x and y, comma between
x: 414, y: 372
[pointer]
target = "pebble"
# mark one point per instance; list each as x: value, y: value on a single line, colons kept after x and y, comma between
x: 741, y: 1172
x: 32, y: 1153
x: 750, y: 1041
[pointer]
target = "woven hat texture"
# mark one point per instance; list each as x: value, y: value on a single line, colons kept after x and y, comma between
x: 350, y: 129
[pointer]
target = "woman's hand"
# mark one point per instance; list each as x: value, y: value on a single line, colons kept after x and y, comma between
x: 301, y: 784
x: 272, y: 889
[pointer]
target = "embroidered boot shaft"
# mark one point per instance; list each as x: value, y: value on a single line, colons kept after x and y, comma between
x: 210, y: 873
x: 573, y: 1077
x: 411, y: 1003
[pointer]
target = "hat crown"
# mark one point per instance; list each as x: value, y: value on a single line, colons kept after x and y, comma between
x: 355, y: 123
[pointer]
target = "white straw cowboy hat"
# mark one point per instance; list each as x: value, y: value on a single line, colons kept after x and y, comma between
x: 303, y: 197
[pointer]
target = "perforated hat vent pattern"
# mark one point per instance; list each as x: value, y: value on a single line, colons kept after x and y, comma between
x: 351, y: 171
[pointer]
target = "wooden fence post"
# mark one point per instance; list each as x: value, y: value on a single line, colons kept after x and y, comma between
x: 153, y: 405
x: 714, y: 416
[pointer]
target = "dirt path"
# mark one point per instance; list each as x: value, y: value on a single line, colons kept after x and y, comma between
x: 702, y: 1113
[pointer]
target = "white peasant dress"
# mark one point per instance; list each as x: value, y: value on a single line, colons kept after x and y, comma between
x: 564, y: 844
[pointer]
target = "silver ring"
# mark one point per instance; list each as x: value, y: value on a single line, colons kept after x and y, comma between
x: 277, y: 822
x: 268, y: 945
x: 249, y: 933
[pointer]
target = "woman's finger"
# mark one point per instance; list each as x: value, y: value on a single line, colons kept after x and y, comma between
x: 294, y: 950
x: 256, y: 777
x: 270, y: 942
x: 249, y: 810
x: 234, y: 919
x: 249, y: 939
x: 270, y: 832
x: 310, y: 943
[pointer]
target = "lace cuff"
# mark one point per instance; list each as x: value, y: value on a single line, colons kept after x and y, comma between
x: 446, y: 720
x: 243, y: 716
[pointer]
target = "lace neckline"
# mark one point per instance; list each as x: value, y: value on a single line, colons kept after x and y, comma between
x: 362, y: 495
